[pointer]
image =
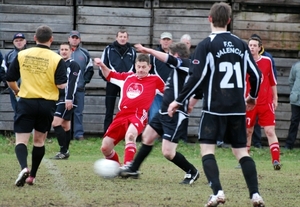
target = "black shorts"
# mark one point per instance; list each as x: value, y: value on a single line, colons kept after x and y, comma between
x: 62, y: 112
x: 230, y: 129
x: 170, y: 128
x: 33, y: 114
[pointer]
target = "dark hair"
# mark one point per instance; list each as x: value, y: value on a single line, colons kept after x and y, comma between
x: 43, y: 34
x: 220, y: 14
x: 143, y: 58
x: 180, y: 48
x: 66, y: 43
x: 257, y: 39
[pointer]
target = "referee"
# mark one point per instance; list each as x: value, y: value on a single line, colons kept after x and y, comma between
x: 43, y: 72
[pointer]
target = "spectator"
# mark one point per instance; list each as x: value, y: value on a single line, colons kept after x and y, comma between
x: 294, y: 81
x: 256, y: 137
x: 267, y: 102
x: 66, y: 103
x: 137, y: 92
x: 83, y: 58
x: 170, y: 129
x: 19, y: 42
x: 42, y: 72
x: 186, y: 38
x: 220, y: 63
x: 120, y: 57
x: 160, y: 68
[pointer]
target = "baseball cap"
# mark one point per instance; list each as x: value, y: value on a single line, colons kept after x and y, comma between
x: 19, y: 35
x: 74, y: 33
x: 166, y: 35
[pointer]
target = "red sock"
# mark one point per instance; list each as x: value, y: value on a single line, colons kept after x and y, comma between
x: 275, y: 151
x: 130, y: 150
x: 113, y: 156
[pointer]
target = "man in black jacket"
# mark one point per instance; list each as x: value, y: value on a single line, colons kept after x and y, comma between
x: 118, y: 56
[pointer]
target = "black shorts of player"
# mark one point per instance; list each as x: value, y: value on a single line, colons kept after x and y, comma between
x: 62, y: 112
x: 170, y: 128
x: 33, y: 114
x: 230, y: 129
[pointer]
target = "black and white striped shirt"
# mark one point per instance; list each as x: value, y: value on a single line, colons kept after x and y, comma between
x: 220, y: 64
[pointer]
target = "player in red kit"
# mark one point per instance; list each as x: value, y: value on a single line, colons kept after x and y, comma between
x: 137, y: 93
x: 267, y: 102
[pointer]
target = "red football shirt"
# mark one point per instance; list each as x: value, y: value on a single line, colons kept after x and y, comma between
x: 136, y: 93
x: 265, y: 94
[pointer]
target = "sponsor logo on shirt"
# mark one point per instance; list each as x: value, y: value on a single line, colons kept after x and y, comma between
x: 134, y: 90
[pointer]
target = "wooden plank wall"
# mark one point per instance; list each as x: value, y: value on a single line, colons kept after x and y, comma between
x: 277, y: 22
x: 29, y: 16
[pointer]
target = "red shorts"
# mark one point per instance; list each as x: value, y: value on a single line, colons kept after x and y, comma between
x: 118, y: 128
x: 265, y: 114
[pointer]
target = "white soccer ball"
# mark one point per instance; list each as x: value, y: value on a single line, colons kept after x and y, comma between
x: 107, y: 168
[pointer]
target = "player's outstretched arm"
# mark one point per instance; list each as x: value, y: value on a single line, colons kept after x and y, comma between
x: 159, y: 55
x: 105, y: 70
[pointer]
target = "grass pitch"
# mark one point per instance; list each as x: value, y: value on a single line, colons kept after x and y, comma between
x: 73, y: 183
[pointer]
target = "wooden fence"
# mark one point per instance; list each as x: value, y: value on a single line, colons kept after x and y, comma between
x: 277, y: 22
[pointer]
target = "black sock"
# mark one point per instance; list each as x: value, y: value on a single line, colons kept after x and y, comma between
x: 182, y: 163
x: 143, y: 152
x: 250, y: 174
x: 211, y: 171
x: 68, y: 139
x: 61, y: 138
x: 21, y: 153
x: 37, y: 156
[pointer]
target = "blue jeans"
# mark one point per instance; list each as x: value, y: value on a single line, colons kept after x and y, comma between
x: 78, y: 116
x: 155, y: 106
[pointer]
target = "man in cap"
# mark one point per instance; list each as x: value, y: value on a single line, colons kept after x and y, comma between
x: 83, y: 58
x: 160, y: 68
x: 19, y: 42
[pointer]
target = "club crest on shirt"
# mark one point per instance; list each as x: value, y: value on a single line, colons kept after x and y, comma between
x: 134, y: 90
x: 196, y: 62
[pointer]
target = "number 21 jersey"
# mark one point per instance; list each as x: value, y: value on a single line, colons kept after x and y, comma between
x: 219, y: 67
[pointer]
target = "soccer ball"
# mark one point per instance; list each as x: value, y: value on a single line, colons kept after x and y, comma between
x: 107, y: 168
